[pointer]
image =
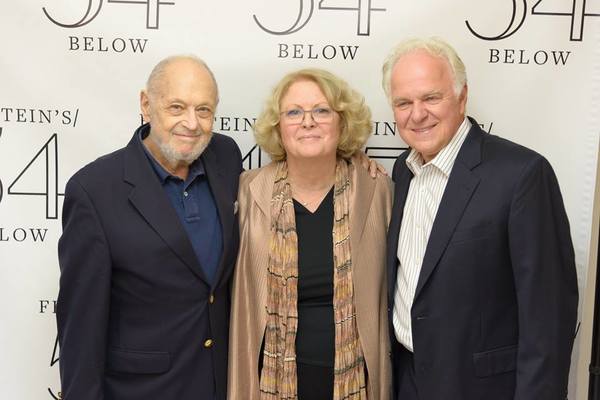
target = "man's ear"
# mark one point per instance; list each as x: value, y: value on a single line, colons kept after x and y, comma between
x: 145, y: 105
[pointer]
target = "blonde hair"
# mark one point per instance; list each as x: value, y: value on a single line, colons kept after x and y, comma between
x: 355, y: 115
x: 433, y: 46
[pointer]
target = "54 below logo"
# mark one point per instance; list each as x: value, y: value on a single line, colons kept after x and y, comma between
x: 577, y: 10
x: 86, y: 13
x: 93, y: 8
x: 306, y: 8
x: 304, y: 11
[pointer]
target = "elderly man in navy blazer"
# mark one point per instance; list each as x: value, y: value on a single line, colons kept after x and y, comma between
x: 149, y: 241
x: 482, y: 281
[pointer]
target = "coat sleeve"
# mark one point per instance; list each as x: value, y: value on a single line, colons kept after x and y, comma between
x: 546, y: 283
x: 83, y: 299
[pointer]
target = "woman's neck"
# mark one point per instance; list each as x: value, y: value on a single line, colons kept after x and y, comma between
x: 311, y: 174
x: 311, y: 180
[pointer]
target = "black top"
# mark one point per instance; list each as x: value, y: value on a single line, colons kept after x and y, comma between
x: 315, y: 339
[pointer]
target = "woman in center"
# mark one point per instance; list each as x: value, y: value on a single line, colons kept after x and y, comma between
x: 309, y: 308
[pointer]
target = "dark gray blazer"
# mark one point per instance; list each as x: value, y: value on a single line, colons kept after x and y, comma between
x: 495, y: 307
x: 135, y: 309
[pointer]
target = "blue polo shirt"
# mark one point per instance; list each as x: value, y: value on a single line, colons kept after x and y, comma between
x: 195, y: 205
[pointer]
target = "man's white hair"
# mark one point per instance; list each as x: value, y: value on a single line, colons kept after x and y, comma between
x: 435, y: 47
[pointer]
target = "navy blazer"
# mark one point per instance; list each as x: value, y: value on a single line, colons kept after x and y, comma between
x: 495, y: 307
x: 137, y: 318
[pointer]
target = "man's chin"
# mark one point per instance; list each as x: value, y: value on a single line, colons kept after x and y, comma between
x: 193, y: 154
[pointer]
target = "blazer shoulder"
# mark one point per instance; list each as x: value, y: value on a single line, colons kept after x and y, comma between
x: 496, y: 148
x: 370, y: 192
x: 512, y: 162
x: 224, y: 143
x: 101, y: 169
x: 383, y: 194
x: 256, y: 186
x: 384, y: 184
x: 248, y: 176
x: 244, y: 187
x: 263, y: 172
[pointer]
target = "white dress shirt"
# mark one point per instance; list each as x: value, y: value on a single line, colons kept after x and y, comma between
x: 422, y: 202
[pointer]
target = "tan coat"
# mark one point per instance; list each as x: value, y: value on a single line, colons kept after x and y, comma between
x: 370, y: 210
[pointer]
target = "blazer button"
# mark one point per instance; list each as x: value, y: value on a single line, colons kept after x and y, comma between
x: 208, y: 343
x: 211, y: 298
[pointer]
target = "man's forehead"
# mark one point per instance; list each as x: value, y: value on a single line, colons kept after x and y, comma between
x: 421, y: 60
x: 181, y: 80
x: 181, y: 71
x: 422, y: 70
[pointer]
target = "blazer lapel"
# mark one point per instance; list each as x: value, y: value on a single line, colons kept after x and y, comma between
x: 255, y: 247
x: 402, y: 183
x: 148, y: 197
x: 224, y: 203
x: 460, y: 188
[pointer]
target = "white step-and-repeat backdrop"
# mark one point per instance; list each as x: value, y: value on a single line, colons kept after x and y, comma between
x: 71, y: 71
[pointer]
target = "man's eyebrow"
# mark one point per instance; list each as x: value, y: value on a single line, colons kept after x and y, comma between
x: 171, y: 100
x: 433, y: 93
x: 398, y: 100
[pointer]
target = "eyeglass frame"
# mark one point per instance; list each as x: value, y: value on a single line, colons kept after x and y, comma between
x: 283, y: 115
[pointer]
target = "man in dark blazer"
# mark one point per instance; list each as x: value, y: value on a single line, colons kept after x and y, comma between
x: 482, y: 285
x: 150, y: 237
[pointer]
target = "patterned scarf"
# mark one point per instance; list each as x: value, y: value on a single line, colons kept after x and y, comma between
x: 278, y: 377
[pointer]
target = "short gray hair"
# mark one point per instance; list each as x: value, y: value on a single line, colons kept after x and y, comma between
x: 159, y: 70
x: 435, y: 47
